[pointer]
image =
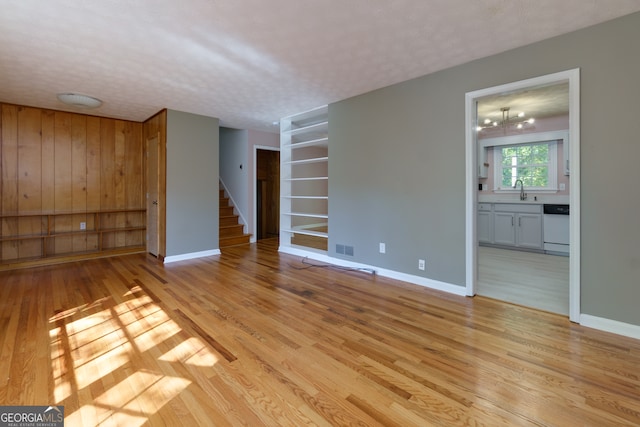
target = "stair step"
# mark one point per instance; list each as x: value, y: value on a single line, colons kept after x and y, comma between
x: 228, y: 220
x: 226, y: 211
x: 231, y: 230
x: 225, y: 242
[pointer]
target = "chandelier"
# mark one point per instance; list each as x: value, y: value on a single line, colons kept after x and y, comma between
x: 507, y: 122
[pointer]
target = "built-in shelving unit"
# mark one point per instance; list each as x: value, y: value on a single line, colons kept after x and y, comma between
x: 304, y: 148
x: 45, y: 237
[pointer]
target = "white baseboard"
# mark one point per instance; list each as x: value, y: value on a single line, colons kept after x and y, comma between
x: 600, y: 323
x: 192, y: 255
x: 416, y: 280
x: 608, y: 325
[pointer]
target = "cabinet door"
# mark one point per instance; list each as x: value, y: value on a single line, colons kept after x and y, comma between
x: 529, y: 234
x: 504, y: 228
x: 485, y: 227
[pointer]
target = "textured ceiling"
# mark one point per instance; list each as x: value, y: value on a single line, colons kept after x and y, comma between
x: 250, y: 62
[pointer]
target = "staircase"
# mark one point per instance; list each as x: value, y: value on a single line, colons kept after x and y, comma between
x: 231, y: 231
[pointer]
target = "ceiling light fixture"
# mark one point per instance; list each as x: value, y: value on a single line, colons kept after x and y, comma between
x: 81, y: 101
x: 506, y: 121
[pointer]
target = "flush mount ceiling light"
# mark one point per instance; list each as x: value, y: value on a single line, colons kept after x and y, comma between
x: 77, y: 100
x: 507, y: 122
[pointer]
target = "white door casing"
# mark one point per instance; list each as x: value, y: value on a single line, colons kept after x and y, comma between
x: 471, y: 179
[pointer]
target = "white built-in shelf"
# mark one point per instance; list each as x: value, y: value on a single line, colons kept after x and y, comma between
x: 311, y: 178
x: 306, y: 232
x: 307, y: 197
x: 307, y: 161
x: 315, y: 127
x: 318, y: 142
x: 304, y: 154
x: 310, y: 215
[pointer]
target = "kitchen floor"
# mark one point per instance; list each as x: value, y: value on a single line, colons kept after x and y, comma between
x: 534, y: 280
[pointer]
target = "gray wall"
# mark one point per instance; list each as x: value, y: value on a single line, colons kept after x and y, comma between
x: 192, y: 183
x: 396, y: 160
x: 234, y: 147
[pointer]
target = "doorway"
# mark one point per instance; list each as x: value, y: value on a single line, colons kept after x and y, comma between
x: 473, y: 169
x: 267, y: 193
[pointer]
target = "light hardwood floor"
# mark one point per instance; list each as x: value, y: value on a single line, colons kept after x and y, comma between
x: 530, y: 279
x: 253, y: 337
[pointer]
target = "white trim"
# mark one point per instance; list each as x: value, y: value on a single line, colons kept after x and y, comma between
x: 409, y: 278
x: 574, y: 196
x: 471, y: 179
x: 243, y: 220
x: 254, y: 237
x: 192, y: 255
x: 608, y: 325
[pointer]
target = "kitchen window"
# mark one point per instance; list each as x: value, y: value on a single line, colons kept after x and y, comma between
x: 534, y: 163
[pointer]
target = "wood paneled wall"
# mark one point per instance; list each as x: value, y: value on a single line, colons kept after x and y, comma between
x: 55, y: 161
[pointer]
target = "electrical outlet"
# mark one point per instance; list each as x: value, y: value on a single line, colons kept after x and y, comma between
x: 83, y: 226
x: 383, y: 248
x: 421, y: 264
x: 562, y: 187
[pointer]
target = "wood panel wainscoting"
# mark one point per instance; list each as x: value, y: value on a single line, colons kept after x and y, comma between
x: 64, y: 173
x: 254, y: 337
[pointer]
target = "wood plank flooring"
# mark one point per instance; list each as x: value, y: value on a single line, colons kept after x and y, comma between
x: 253, y: 337
x: 531, y: 279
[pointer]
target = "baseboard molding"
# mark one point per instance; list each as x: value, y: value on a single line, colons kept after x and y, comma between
x: 192, y: 255
x: 409, y: 278
x: 608, y: 325
x: 600, y: 323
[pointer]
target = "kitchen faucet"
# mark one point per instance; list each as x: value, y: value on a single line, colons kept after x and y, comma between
x: 523, y: 195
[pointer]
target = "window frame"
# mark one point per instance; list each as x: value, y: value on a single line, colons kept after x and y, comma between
x: 552, y: 167
x: 528, y: 138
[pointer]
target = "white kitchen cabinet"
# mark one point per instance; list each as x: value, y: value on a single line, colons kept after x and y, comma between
x: 504, y: 231
x: 518, y: 225
x: 529, y: 230
x: 485, y: 223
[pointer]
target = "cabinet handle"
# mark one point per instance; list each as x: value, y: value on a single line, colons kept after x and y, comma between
x: 519, y: 221
x: 512, y: 221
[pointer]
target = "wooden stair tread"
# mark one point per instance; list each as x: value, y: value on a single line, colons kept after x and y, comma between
x: 231, y: 231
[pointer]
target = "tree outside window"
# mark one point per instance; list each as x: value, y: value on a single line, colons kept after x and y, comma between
x: 532, y: 163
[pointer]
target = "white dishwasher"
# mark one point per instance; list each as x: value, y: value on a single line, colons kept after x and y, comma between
x: 556, y: 229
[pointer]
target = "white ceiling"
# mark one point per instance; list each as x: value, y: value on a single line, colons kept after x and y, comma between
x: 251, y: 62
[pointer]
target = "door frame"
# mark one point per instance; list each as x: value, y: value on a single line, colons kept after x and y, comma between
x: 153, y: 228
x: 254, y: 236
x: 471, y: 179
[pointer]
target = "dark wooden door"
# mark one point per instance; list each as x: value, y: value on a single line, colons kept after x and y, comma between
x: 268, y: 194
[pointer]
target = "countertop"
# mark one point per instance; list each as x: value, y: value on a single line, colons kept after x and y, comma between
x: 531, y: 199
